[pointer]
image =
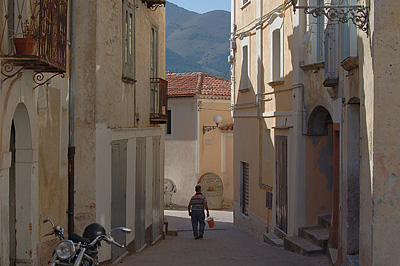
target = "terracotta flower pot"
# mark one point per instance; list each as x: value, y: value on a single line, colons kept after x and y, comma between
x: 24, y: 45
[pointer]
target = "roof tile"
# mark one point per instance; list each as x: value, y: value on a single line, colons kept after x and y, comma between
x: 192, y: 83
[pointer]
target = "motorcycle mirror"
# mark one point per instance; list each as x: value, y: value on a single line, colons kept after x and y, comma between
x: 126, y: 230
x: 123, y: 229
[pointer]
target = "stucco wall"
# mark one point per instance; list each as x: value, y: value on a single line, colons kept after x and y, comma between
x: 319, y: 185
x: 379, y: 140
x: 180, y: 149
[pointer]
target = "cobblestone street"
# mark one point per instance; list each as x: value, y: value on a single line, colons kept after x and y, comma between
x: 223, y: 245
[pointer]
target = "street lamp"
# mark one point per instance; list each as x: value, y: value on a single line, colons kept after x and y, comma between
x: 217, y: 119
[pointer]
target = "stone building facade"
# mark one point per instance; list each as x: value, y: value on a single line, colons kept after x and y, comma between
x: 82, y: 123
x: 324, y: 90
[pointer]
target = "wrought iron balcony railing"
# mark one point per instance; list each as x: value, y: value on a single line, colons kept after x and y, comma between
x: 34, y: 36
x: 153, y: 4
x: 159, y: 101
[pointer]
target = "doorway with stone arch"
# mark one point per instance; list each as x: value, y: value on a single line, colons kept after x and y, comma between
x: 212, y: 187
x: 22, y: 190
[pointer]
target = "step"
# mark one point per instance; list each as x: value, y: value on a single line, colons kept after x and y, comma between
x: 353, y: 260
x: 325, y: 220
x: 316, y: 234
x: 273, y: 240
x: 172, y: 231
x: 301, y: 246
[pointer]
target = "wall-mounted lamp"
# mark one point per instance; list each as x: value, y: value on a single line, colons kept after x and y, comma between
x: 217, y: 119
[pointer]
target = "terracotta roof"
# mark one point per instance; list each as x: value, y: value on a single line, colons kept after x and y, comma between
x: 227, y: 127
x: 193, y: 83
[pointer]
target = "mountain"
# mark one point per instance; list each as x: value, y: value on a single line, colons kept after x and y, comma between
x: 197, y: 42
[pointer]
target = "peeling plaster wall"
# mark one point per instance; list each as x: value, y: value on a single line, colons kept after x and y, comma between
x: 40, y: 163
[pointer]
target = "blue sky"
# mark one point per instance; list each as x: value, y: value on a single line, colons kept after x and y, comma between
x: 203, y: 6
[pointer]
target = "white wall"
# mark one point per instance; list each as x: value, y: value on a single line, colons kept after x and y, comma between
x: 180, y: 149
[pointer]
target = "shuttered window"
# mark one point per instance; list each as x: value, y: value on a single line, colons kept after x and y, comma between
x: 128, y: 29
x: 244, y: 203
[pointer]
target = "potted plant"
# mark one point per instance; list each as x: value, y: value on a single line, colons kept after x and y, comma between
x: 26, y: 44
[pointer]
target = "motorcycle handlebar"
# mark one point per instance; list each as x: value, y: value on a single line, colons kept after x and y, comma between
x: 112, y: 241
x: 109, y: 240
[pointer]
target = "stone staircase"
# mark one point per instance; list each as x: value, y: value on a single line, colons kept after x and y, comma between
x: 311, y: 240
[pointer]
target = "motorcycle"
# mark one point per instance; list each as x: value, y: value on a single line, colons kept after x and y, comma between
x: 81, y: 250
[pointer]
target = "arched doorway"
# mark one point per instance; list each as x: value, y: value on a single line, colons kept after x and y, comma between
x: 23, y: 191
x: 212, y: 188
x: 319, y: 165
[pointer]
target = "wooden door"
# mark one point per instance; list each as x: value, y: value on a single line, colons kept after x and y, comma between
x: 140, y: 194
x: 118, y: 195
x: 281, y: 182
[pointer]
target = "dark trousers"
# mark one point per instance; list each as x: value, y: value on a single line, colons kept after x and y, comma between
x: 198, y: 218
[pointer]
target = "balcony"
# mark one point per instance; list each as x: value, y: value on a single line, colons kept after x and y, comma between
x: 153, y: 4
x: 158, y: 101
x: 34, y: 36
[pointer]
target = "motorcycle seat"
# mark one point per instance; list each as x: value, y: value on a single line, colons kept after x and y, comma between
x: 77, y: 238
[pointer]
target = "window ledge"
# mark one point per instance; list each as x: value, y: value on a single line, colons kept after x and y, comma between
x: 129, y: 80
x: 246, y: 4
x: 276, y: 83
x: 313, y: 66
x: 243, y: 90
x: 350, y: 63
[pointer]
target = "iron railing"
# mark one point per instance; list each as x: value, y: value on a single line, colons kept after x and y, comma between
x: 158, y: 101
x: 41, y: 22
x: 153, y: 4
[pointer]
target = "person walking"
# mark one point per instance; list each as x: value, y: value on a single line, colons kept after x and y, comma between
x: 196, y: 208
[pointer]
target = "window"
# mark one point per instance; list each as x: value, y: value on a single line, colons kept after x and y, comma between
x: 277, y: 50
x: 169, y: 123
x: 316, y: 35
x: 154, y: 54
x: 128, y: 24
x: 348, y: 39
x: 245, y: 2
x: 331, y: 55
x: 154, y: 95
x: 268, y: 200
x: 276, y: 55
x: 244, y: 188
x: 245, y: 79
x: 267, y: 145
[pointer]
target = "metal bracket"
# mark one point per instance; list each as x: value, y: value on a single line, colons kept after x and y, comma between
x: 340, y: 13
x: 208, y: 128
x: 38, y: 78
x: 7, y: 69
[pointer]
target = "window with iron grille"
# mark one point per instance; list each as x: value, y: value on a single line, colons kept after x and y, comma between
x: 244, y: 191
x: 128, y: 24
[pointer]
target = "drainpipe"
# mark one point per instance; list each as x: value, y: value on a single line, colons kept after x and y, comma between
x: 232, y: 57
x: 71, y: 147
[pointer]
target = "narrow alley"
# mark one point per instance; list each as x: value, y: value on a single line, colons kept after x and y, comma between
x: 225, y: 244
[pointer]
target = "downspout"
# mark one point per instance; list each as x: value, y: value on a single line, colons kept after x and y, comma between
x: 232, y: 57
x: 71, y: 147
